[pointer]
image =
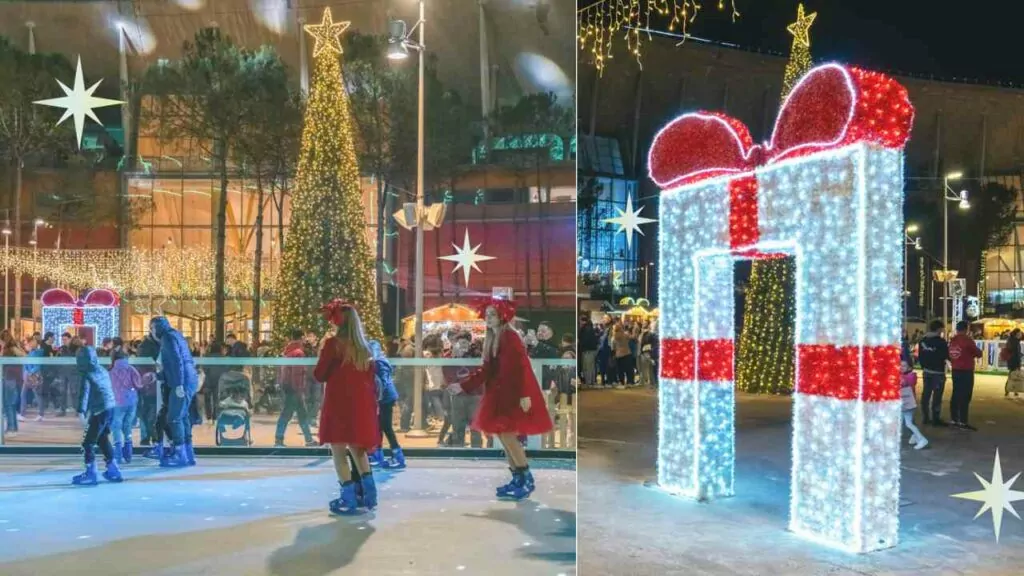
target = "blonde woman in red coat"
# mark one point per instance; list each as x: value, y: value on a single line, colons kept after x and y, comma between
x: 513, y: 404
x: 348, y: 417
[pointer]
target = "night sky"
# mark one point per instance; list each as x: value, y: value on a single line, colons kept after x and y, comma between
x: 976, y: 40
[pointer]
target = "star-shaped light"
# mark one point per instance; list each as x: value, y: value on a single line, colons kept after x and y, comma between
x: 327, y: 33
x: 996, y: 495
x: 79, y: 102
x: 629, y: 221
x: 801, y: 28
x: 466, y: 257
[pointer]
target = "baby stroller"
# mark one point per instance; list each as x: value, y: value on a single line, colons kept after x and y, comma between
x: 234, y: 399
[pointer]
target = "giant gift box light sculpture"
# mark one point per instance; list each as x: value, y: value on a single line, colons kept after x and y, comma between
x: 97, y: 309
x: 826, y: 189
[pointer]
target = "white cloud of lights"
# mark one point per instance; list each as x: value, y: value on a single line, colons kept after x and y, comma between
x: 840, y: 213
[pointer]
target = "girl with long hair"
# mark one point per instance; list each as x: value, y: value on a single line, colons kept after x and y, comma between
x: 513, y: 404
x: 348, y: 417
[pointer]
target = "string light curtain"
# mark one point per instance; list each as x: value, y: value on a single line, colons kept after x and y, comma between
x: 172, y: 272
x: 607, y: 26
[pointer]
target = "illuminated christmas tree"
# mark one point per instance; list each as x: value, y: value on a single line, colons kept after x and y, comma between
x: 767, y: 347
x: 326, y: 254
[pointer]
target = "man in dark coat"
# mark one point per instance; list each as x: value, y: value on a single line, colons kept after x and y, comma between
x: 179, y: 382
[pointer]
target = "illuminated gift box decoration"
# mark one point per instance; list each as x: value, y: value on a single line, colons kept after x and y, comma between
x: 828, y: 190
x: 97, y: 311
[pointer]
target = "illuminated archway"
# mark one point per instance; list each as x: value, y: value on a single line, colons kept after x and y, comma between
x: 827, y: 189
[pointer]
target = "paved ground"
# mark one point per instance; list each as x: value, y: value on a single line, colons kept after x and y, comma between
x: 268, y: 517
x: 626, y: 528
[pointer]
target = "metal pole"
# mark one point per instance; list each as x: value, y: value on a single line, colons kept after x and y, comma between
x: 35, y: 275
x: 906, y: 279
x: 418, y: 421
x: 945, y: 255
x: 7, y: 279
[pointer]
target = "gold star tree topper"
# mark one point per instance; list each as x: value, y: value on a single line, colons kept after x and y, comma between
x: 327, y: 33
x: 801, y: 28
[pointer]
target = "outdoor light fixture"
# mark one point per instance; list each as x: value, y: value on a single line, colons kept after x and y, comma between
x: 34, y: 240
x: 40, y: 222
x: 917, y: 244
x: 7, y: 228
x: 913, y: 228
x: 400, y: 40
x: 964, y: 204
x: 954, y: 175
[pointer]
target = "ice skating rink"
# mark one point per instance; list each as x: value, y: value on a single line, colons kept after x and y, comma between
x: 268, y: 516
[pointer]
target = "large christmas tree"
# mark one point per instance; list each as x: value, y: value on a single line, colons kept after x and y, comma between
x: 767, y: 348
x: 326, y: 254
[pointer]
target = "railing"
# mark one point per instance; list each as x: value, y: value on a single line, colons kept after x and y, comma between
x: 241, y: 400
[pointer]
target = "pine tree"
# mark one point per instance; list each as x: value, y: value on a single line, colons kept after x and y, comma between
x: 767, y: 348
x: 327, y: 254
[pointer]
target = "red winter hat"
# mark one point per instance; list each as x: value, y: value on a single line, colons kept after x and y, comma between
x: 506, y: 309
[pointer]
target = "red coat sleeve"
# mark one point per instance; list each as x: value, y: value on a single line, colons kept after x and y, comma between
x: 325, y: 361
x: 476, y: 378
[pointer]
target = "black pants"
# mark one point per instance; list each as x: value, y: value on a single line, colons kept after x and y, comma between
x: 931, y: 396
x: 960, y: 401
x: 626, y: 372
x: 147, y: 419
x: 98, y: 432
x: 387, y: 428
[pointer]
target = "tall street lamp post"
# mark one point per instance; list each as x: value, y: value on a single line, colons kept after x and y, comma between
x: 949, y: 195
x: 399, y: 43
x: 916, y: 243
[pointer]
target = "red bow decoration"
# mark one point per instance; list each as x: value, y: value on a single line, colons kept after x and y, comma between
x: 506, y: 309
x: 831, y: 107
x: 332, y: 311
x: 60, y: 298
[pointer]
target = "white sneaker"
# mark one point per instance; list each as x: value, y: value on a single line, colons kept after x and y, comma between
x: 620, y: 387
x: 921, y: 444
x: 912, y: 441
x: 39, y: 419
x: 21, y: 418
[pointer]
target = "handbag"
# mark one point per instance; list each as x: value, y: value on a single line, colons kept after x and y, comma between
x: 1015, y: 381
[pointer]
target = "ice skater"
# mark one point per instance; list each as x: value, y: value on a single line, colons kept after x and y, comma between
x: 387, y: 395
x: 96, y: 411
x: 513, y: 404
x: 348, y: 417
x: 126, y: 382
x: 180, y: 381
x: 908, y: 381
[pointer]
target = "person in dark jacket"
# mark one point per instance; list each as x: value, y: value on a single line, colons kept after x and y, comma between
x: 588, y: 343
x: 96, y: 411
x: 1013, y: 358
x: 49, y: 373
x: 179, y: 381
x: 387, y: 395
x: 151, y: 425
x: 933, y: 353
x: 211, y: 385
x: 67, y: 374
x: 293, y: 383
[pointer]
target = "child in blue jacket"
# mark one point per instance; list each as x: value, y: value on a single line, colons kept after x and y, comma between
x: 96, y: 411
x: 387, y: 395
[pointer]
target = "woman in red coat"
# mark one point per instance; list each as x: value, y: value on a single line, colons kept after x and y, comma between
x: 513, y: 404
x: 348, y: 417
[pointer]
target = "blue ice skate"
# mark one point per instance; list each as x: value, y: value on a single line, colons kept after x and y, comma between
x: 397, y: 460
x: 346, y: 505
x: 176, y: 458
x: 113, y: 473
x: 377, y: 457
x: 87, y: 478
x: 127, y: 451
x: 369, y: 491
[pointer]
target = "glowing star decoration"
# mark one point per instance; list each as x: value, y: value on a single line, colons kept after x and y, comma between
x: 995, y: 495
x: 327, y: 34
x: 629, y: 221
x: 801, y: 28
x: 466, y: 257
x: 79, y: 102
x: 826, y: 189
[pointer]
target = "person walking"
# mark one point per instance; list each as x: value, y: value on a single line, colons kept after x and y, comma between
x: 1012, y: 356
x: 933, y: 353
x: 179, y: 381
x: 962, y: 353
x: 12, y: 375
x: 293, y: 383
x: 908, y: 382
x: 623, y: 357
x: 387, y: 395
x: 96, y: 411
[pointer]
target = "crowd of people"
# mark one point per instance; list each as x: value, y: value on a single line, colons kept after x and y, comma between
x: 618, y: 353
x: 353, y: 388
